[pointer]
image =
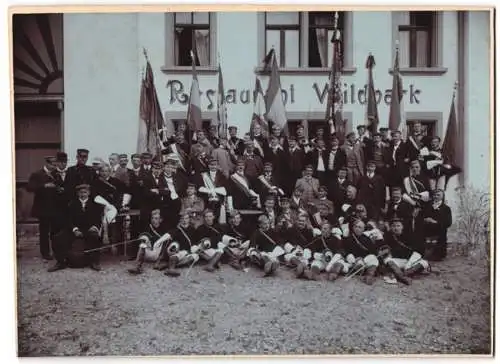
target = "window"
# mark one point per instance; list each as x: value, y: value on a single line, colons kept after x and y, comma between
x: 428, y: 126
x: 192, y: 32
x: 283, y: 34
x: 205, y: 124
x: 321, y: 31
x: 416, y: 39
x: 312, y: 126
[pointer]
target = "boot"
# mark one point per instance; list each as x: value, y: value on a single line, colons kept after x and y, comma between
x: 95, y: 262
x: 140, y: 260
x: 300, y: 270
x: 57, y: 266
x: 413, y: 270
x: 211, y: 264
x: 398, y: 273
x: 162, y: 262
x: 295, y: 262
x: 336, y: 269
x: 369, y: 277
x: 172, y: 263
x: 270, y: 267
x: 235, y: 263
x: 313, y: 274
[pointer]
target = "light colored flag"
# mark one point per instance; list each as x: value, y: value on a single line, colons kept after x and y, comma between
x: 259, y: 109
x: 275, y: 106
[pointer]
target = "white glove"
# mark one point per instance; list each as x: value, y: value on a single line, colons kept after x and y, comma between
x: 316, y: 232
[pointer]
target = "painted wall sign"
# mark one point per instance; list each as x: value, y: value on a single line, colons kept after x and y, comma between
x: 350, y: 94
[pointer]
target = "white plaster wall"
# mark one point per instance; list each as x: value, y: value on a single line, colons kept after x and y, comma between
x: 101, y: 83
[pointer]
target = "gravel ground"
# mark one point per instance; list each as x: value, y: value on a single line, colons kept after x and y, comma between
x: 82, y: 312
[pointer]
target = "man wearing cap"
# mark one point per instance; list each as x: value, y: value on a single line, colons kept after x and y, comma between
x: 386, y: 136
x: 416, y: 185
x: 113, y: 163
x: 234, y: 143
x: 254, y: 164
x: 43, y: 184
x: 277, y: 132
x: 122, y: 173
x: 199, y: 161
x: 240, y: 190
x: 258, y: 140
x: 297, y: 203
x: 403, y: 254
x: 63, y: 193
x: 372, y: 191
x: 399, y: 159
x: 152, y: 193
x: 417, y: 141
x: 84, y: 229
x: 177, y: 148
x: 268, y: 183
x: 295, y: 159
x: 401, y: 209
x: 203, y: 141
x: 318, y: 158
x: 212, y: 184
x: 437, y: 218
x: 335, y: 159
x: 298, y: 239
x: 302, y: 141
x: 265, y: 247
x: 309, y: 185
x: 322, y: 202
x: 354, y: 158
x: 377, y: 152
x: 194, y: 203
x: 80, y: 173
x: 146, y: 165
x: 174, y: 188
x: 275, y: 154
x: 361, y: 252
x: 337, y: 188
x: 287, y: 217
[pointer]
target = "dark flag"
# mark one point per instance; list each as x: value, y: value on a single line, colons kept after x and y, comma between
x: 450, y: 148
x: 371, y: 105
x: 221, y: 108
x: 334, y: 119
x: 151, y: 116
x: 275, y: 106
x: 396, y: 96
x: 194, y: 120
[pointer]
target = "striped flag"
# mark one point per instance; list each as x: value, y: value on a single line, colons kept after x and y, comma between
x: 396, y: 96
x: 194, y: 120
x: 371, y: 105
x: 275, y: 106
x: 221, y: 108
x: 333, y: 116
x: 259, y: 109
x: 151, y: 116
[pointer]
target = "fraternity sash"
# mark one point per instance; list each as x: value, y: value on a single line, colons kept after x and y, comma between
x: 356, y: 240
x: 179, y: 156
x: 210, y: 186
x: 171, y: 187
x: 268, y: 237
x: 398, y: 241
x: 413, y: 141
x: 183, y: 232
x: 257, y: 145
x: 268, y: 185
x: 243, y: 185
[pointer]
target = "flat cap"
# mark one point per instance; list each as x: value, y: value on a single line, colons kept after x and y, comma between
x: 50, y: 159
x: 82, y: 151
x: 61, y: 157
x: 82, y: 187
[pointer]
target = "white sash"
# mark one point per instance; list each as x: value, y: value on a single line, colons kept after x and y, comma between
x: 266, y: 183
x: 176, y: 152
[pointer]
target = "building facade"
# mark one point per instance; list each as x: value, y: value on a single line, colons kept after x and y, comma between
x: 77, y: 76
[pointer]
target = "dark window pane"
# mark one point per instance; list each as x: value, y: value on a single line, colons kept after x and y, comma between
x: 421, y: 18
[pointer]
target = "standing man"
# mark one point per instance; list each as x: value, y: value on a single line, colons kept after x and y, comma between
x: 335, y: 159
x: 253, y: 163
x: 295, y: 158
x: 416, y: 141
x: 234, y: 143
x: 113, y: 163
x: 80, y: 173
x: 354, y: 159
x: 43, y: 184
x: 309, y: 185
x: 318, y: 158
x: 398, y: 166
x: 372, y: 191
x: 224, y: 158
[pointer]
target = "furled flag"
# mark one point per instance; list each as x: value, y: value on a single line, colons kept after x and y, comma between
x: 259, y: 109
x: 450, y: 150
x: 371, y: 105
x: 151, y: 116
x: 333, y: 117
x: 221, y: 108
x: 275, y: 106
x: 194, y: 120
x: 396, y: 96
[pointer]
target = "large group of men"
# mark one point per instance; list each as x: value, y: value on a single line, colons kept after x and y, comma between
x: 360, y: 206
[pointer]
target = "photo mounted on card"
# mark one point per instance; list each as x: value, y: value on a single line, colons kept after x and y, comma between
x: 290, y: 180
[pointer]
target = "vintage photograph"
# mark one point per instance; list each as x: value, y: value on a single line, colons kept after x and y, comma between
x: 266, y: 181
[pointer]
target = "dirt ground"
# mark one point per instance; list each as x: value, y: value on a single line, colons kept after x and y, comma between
x: 82, y: 312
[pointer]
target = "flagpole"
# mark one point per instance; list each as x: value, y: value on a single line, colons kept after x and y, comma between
x: 148, y: 122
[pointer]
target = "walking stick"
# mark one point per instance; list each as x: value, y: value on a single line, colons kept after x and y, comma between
x: 110, y: 246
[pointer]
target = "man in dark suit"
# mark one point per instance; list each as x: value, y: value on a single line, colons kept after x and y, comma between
x: 437, y: 219
x: 398, y: 166
x: 173, y: 187
x: 44, y: 185
x: 146, y: 165
x: 240, y: 191
x: 371, y: 189
x: 212, y: 185
x: 337, y: 190
x: 234, y: 143
x: 398, y: 208
x: 85, y: 217
x: 64, y: 194
x: 416, y: 141
x: 177, y: 149
x: 80, y: 173
x: 318, y: 158
x: 275, y: 154
x: 295, y: 160
x: 335, y: 159
x: 268, y: 183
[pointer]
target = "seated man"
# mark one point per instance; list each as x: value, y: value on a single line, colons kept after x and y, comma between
x: 402, y: 254
x: 436, y: 221
x: 193, y: 203
x: 267, y: 184
x: 212, y: 185
x: 298, y: 239
x: 241, y: 195
x: 71, y: 248
x: 361, y: 252
x: 416, y: 186
x: 265, y: 247
x: 235, y: 242
x: 327, y: 253
x: 150, y: 246
x: 287, y: 215
x: 210, y: 231
x: 270, y: 211
x: 309, y: 185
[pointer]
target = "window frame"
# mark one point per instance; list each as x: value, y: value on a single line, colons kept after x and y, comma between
x: 192, y: 26
x: 169, y: 55
x: 412, y: 29
x: 348, y: 50
x: 283, y: 28
x: 329, y: 27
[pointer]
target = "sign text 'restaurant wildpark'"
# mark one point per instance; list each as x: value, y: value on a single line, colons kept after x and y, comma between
x: 350, y: 94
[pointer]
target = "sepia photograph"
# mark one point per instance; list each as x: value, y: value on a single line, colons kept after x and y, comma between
x: 253, y: 180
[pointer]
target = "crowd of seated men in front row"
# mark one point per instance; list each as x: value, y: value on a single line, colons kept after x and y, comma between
x: 372, y: 203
